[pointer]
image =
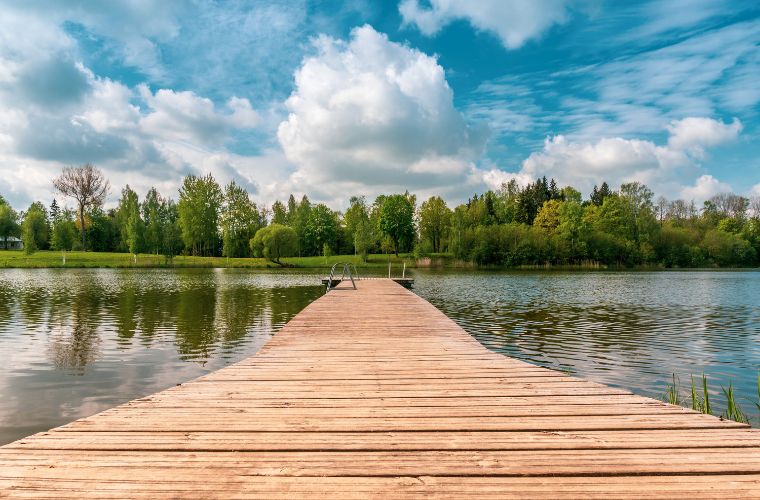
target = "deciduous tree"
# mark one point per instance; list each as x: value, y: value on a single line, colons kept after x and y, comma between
x: 200, y: 201
x: 274, y: 242
x: 85, y: 184
x: 397, y: 220
x: 435, y: 221
x: 240, y: 221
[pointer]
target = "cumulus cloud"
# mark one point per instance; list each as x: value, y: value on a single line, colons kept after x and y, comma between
x: 54, y: 110
x: 514, y: 21
x: 693, y: 134
x: 371, y: 114
x: 185, y: 116
x: 618, y: 160
x: 136, y: 136
x: 704, y: 188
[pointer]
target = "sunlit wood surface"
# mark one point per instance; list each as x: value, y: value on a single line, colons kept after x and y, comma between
x: 375, y: 393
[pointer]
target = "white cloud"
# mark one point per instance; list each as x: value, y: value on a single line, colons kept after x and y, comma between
x: 495, y: 178
x: 97, y: 120
x: 513, y: 21
x: 704, y: 188
x: 617, y: 160
x: 693, y: 134
x: 131, y: 29
x: 373, y: 115
x: 693, y: 76
x: 185, y: 116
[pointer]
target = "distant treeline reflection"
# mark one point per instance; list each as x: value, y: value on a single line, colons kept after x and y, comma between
x: 197, y: 316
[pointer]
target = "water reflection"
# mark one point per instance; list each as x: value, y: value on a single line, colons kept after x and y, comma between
x: 631, y: 330
x: 78, y: 341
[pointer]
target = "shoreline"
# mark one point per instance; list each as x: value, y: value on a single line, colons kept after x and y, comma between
x: 49, y: 259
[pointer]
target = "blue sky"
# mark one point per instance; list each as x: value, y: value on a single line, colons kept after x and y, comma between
x: 333, y: 98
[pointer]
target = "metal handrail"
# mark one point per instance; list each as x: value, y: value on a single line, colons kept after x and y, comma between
x: 346, y: 269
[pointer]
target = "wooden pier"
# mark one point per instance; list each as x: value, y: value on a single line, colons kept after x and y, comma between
x: 375, y: 393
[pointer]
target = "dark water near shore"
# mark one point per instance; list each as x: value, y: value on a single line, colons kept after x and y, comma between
x: 75, y: 342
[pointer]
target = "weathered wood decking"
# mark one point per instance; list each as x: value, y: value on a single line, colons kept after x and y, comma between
x: 375, y: 393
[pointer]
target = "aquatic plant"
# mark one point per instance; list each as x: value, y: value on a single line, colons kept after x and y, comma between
x: 700, y: 404
x: 671, y: 392
x: 733, y: 412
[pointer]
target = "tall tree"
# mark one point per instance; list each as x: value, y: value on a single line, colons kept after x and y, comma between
x: 240, y: 221
x: 598, y: 195
x: 64, y: 233
x: 435, y: 221
x: 172, y: 234
x: 153, y: 221
x: 321, y: 229
x: 292, y: 210
x: 548, y: 217
x: 363, y: 238
x: 357, y: 215
x: 103, y: 231
x: 87, y: 185
x: 397, y: 220
x: 8, y: 223
x: 35, y: 231
x: 279, y: 213
x: 532, y: 198
x: 200, y: 201
x: 55, y: 211
x: 129, y: 203
x: 754, y: 206
x: 298, y: 223
x: 639, y: 197
x: 730, y: 205
x: 134, y: 232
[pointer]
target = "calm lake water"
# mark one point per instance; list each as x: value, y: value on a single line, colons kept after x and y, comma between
x: 75, y: 342
x: 626, y: 329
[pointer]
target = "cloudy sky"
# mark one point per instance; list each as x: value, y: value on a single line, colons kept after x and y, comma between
x: 332, y: 99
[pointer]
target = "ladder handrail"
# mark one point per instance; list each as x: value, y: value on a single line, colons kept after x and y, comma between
x: 346, y: 269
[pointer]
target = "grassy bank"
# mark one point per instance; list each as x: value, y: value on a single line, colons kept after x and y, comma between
x: 52, y: 259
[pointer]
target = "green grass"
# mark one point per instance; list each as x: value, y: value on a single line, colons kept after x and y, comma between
x: 49, y: 259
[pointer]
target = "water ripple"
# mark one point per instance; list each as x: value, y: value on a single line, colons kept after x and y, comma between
x: 627, y: 329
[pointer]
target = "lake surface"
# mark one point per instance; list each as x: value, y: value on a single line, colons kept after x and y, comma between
x: 626, y: 329
x: 75, y: 342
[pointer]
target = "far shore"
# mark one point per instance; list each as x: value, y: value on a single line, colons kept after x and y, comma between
x: 76, y: 260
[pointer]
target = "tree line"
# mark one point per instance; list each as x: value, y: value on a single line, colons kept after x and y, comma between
x: 536, y: 224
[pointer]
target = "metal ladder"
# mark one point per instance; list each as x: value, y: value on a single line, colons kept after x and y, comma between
x: 346, y: 269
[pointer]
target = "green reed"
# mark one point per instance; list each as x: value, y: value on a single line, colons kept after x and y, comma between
x: 672, y: 395
x: 700, y: 404
x: 733, y: 412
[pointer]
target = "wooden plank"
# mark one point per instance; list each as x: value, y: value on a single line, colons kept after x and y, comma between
x: 387, y: 441
x: 375, y: 393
